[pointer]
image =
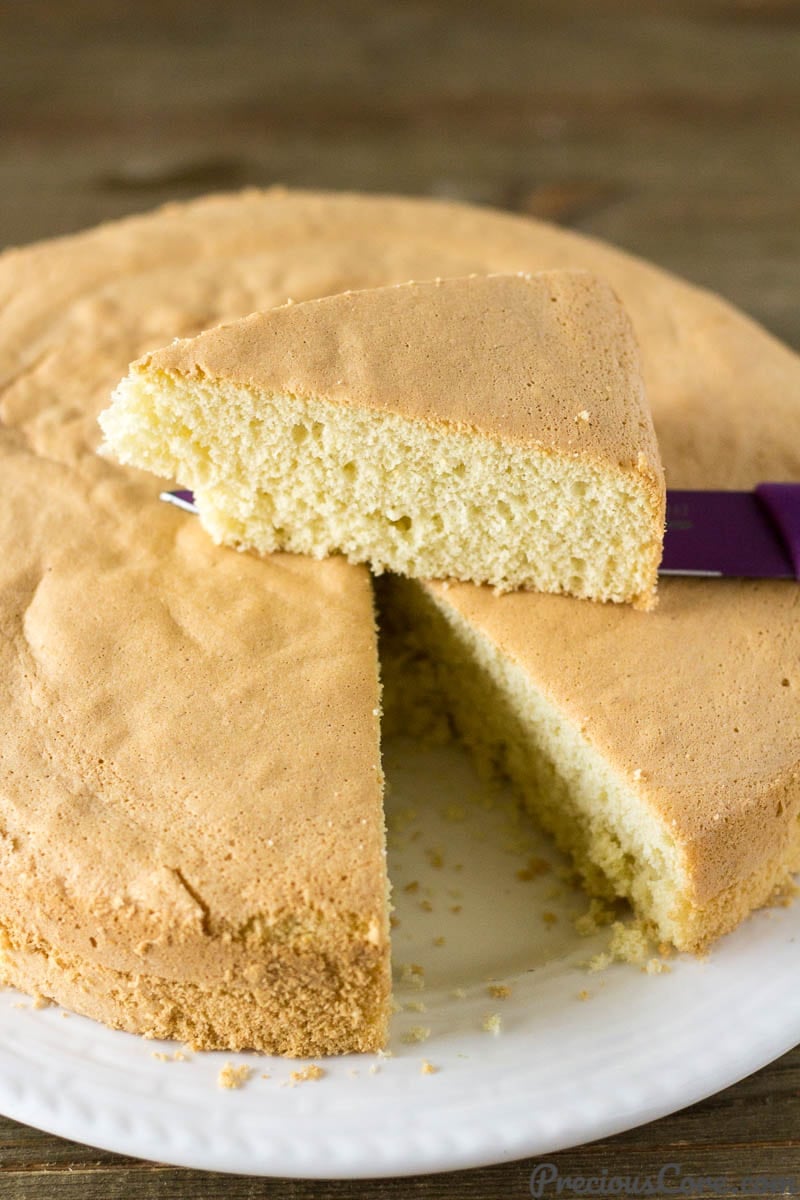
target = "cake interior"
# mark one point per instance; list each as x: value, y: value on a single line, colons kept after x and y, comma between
x: 318, y: 477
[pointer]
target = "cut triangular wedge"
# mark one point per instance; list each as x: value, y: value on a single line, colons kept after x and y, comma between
x: 489, y: 428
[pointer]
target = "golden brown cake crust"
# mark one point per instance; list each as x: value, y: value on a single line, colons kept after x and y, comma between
x: 94, y: 571
x: 512, y: 357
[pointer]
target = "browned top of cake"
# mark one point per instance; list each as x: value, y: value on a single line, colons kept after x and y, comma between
x: 545, y: 359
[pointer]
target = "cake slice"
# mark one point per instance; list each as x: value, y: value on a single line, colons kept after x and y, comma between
x: 488, y: 428
x: 663, y: 787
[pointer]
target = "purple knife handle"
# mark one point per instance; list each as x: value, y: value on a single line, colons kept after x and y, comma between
x: 782, y: 502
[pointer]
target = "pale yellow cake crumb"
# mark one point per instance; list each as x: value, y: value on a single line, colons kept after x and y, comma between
x: 599, y: 962
x: 417, y: 1033
x: 597, y: 915
x: 656, y: 966
x: 500, y: 991
x: 178, y: 1056
x: 535, y: 867
x: 311, y: 1072
x: 492, y: 1023
x: 232, y: 1077
x: 417, y: 1006
x: 413, y: 975
x: 40, y: 1001
x: 629, y: 942
x: 427, y: 1068
x: 584, y: 994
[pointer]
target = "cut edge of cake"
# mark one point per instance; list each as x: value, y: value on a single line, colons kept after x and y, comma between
x: 619, y: 844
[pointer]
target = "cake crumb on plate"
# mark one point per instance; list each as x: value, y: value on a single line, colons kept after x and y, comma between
x: 417, y: 1033
x: 312, y: 1071
x: 231, y: 1077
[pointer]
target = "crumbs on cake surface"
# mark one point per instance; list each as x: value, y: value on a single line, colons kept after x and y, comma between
x: 492, y: 1023
x: 427, y: 1068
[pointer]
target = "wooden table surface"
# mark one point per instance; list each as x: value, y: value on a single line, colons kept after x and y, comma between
x: 670, y: 127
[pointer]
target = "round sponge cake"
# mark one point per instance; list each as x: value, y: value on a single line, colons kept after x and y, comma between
x: 141, y: 781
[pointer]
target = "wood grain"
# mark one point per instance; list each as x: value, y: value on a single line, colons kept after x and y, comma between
x: 670, y: 128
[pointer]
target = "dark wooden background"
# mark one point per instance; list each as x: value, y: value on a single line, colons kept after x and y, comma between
x: 671, y: 127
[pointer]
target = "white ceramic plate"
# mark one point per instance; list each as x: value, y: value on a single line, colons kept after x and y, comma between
x: 563, y: 1068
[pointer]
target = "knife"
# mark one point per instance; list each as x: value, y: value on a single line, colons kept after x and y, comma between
x: 752, y: 535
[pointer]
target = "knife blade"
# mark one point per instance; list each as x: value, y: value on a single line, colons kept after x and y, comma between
x: 752, y: 535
